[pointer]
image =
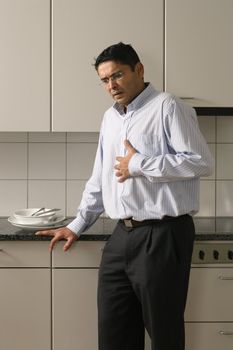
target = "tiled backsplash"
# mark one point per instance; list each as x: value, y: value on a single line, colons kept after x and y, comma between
x: 51, y: 169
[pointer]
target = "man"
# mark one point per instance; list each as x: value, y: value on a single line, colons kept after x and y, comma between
x: 149, y: 160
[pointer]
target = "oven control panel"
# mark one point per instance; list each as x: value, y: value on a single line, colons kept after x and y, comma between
x: 212, y: 253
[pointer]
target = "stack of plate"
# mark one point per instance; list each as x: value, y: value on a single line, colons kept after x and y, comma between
x: 37, y: 218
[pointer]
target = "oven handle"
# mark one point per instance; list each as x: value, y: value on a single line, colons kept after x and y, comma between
x: 225, y: 278
x: 225, y: 333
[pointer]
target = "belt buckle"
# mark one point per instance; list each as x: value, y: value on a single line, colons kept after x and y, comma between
x: 128, y: 223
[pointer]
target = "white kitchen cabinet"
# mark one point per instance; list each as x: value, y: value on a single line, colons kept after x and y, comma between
x: 75, y: 275
x: 209, y: 336
x: 198, y: 51
x: 81, y: 30
x: 75, y: 278
x: 25, y: 65
x: 75, y: 309
x: 25, y: 292
x: 209, y: 310
x: 210, y: 295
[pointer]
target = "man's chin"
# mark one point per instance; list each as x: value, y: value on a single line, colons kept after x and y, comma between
x: 119, y: 99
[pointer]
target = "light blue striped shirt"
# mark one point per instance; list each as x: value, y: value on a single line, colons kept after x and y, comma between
x: 165, y: 172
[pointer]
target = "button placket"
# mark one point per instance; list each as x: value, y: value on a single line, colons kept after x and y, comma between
x: 124, y: 136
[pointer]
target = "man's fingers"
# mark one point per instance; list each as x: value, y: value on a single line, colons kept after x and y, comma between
x: 129, y: 147
x: 69, y: 242
x: 118, y: 173
x: 53, y: 242
x: 122, y: 179
x: 59, y: 234
x: 49, y: 233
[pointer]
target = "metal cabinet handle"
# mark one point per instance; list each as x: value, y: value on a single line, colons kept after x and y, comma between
x: 225, y: 333
x: 226, y: 278
x: 187, y: 98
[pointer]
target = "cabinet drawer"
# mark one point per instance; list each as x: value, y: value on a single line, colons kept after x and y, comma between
x: 209, y: 336
x: 75, y: 309
x: 210, y: 295
x: 81, y: 254
x: 24, y: 254
x: 25, y: 304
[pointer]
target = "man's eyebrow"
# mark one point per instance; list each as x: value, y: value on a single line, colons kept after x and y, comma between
x: 103, y: 78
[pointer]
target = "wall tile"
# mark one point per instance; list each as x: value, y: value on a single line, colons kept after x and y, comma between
x: 47, y: 137
x: 13, y: 160
x: 225, y: 129
x: 82, y: 137
x: 225, y: 161
x: 207, y: 198
x: 47, y: 161
x: 213, y: 152
x: 13, y: 137
x: 203, y: 224
x: 80, y: 160
x: 109, y: 225
x: 74, y: 195
x: 47, y: 193
x: 14, y: 196
x: 224, y: 198
x: 207, y: 127
x: 96, y: 228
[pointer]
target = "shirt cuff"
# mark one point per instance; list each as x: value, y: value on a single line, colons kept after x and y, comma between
x: 77, y: 226
x: 135, y: 163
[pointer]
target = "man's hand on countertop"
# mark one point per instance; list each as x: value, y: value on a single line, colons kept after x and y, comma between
x: 58, y: 234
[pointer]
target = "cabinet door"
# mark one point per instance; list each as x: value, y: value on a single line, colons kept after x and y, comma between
x: 81, y: 254
x: 75, y: 309
x: 24, y: 254
x: 210, y: 295
x: 199, y: 52
x: 24, y: 65
x: 209, y: 336
x: 81, y: 30
x: 25, y: 321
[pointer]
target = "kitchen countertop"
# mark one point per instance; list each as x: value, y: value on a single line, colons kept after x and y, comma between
x: 9, y: 232
x: 207, y: 229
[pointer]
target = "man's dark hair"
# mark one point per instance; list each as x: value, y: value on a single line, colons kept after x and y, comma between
x: 121, y: 53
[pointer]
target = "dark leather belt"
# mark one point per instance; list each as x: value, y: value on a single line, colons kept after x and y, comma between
x: 133, y: 223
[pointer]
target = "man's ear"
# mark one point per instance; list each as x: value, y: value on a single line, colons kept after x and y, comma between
x: 139, y: 68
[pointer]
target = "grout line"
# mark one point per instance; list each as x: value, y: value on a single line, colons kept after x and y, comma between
x: 51, y: 65
x: 66, y: 176
x: 51, y: 128
x: 164, y: 44
x: 51, y: 301
x: 27, y: 188
x: 215, y: 187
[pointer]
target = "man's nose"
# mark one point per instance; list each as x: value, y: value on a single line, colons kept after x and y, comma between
x: 112, y: 84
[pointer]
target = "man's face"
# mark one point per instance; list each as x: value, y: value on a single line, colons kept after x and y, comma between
x: 122, y: 83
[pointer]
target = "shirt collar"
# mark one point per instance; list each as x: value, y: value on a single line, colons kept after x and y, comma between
x: 138, y: 102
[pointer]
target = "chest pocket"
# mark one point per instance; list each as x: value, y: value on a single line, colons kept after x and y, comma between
x: 148, y: 145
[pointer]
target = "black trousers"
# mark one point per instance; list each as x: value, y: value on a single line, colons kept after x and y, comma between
x: 143, y: 283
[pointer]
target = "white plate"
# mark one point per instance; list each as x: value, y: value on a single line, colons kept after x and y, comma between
x: 55, y: 224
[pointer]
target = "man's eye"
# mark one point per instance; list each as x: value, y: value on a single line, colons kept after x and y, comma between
x: 118, y: 75
x: 105, y: 81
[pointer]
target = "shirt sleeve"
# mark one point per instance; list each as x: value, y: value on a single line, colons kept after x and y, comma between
x: 187, y: 154
x: 91, y: 205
